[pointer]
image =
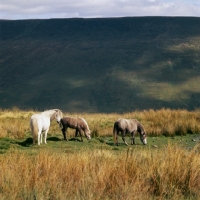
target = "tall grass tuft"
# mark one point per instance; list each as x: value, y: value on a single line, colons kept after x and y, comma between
x: 14, y: 123
x: 172, y: 173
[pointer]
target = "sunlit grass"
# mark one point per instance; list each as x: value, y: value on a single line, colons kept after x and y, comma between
x: 133, y: 174
x: 74, y: 170
x: 15, y: 123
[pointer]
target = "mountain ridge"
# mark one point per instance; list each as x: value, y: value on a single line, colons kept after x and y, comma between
x: 100, y: 65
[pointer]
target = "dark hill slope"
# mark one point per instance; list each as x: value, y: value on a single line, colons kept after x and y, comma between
x: 100, y: 65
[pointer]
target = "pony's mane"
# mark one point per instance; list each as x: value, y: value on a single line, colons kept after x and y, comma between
x: 85, y: 122
x: 51, y: 113
x: 140, y: 126
x: 51, y: 110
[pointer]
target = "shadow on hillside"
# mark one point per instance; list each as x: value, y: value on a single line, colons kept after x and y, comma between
x: 111, y: 67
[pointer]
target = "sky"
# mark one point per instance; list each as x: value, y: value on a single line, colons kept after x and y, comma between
x: 46, y: 9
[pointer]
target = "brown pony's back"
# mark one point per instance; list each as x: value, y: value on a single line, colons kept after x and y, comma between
x: 70, y: 122
x: 75, y: 123
x: 128, y: 126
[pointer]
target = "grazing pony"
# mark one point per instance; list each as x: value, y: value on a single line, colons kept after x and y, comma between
x: 75, y: 123
x: 40, y: 123
x: 128, y: 126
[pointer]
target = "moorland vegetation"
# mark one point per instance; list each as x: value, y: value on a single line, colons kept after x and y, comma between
x: 74, y: 170
x: 14, y: 123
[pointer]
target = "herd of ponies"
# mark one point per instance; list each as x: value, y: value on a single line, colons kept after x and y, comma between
x: 40, y: 123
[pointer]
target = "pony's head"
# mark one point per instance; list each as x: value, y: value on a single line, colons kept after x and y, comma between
x: 58, y: 115
x: 143, y: 137
x: 87, y: 134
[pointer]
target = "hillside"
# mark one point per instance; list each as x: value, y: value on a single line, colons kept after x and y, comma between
x: 100, y: 65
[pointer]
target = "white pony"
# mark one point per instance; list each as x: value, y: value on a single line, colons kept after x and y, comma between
x: 40, y: 123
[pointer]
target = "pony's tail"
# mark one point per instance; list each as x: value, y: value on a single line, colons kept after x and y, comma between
x: 114, y: 132
x: 34, y: 129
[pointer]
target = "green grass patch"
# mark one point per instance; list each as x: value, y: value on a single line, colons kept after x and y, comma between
x: 57, y: 143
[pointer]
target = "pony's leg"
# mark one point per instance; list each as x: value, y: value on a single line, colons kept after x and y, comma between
x: 133, y: 137
x: 39, y: 135
x: 45, y: 136
x: 79, y: 130
x: 34, y: 138
x: 64, y: 130
x: 76, y: 134
x: 116, y: 138
x: 123, y: 137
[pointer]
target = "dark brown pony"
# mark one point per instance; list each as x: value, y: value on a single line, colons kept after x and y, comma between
x: 75, y: 123
x: 129, y: 126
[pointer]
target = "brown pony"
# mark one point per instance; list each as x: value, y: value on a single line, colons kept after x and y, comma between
x: 75, y: 123
x: 129, y: 126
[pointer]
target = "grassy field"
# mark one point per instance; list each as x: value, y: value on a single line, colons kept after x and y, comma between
x: 168, y: 167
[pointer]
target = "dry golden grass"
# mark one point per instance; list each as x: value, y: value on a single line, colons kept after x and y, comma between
x: 100, y: 174
x: 15, y: 123
x: 170, y: 172
x: 156, y: 122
